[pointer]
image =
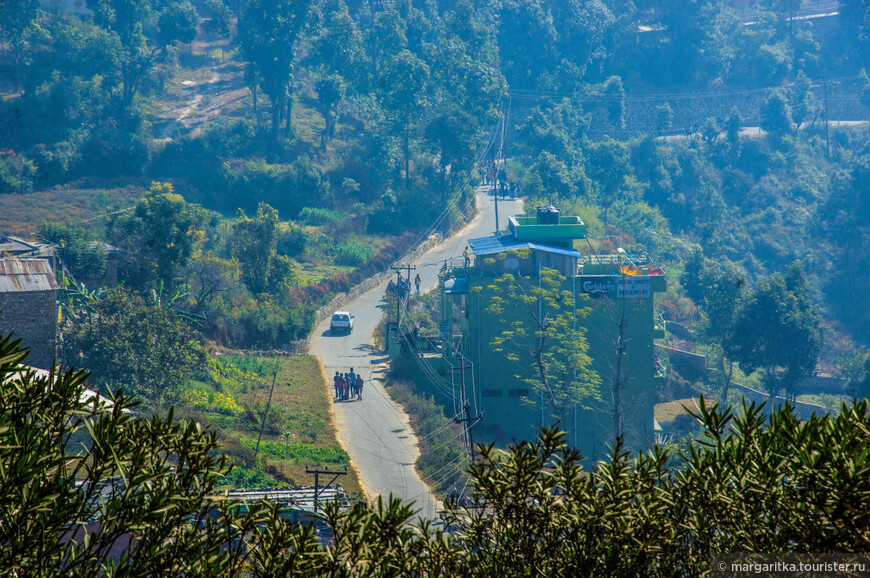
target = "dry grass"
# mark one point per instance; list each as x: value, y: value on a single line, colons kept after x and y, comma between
x: 666, y: 412
x: 21, y: 215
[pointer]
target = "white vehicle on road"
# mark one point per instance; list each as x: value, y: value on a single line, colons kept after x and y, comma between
x: 341, y: 321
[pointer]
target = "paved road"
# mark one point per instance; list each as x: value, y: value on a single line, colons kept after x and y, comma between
x: 375, y: 430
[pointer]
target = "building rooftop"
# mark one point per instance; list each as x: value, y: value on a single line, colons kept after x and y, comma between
x: 21, y: 275
x: 502, y: 243
x: 15, y: 247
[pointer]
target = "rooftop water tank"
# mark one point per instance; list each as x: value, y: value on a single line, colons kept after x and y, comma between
x: 548, y: 215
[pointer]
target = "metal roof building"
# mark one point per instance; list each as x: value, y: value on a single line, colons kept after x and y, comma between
x: 28, y: 306
x: 21, y: 275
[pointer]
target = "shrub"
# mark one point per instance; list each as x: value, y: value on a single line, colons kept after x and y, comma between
x: 16, y: 174
x: 352, y: 252
x: 320, y: 216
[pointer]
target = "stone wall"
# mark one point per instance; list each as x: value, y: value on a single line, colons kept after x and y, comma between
x: 32, y: 315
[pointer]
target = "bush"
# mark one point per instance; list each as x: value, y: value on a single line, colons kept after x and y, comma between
x: 292, y: 241
x: 320, y: 216
x: 352, y: 253
x: 16, y: 174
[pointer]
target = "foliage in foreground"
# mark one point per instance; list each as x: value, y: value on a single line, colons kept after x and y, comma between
x: 89, y: 489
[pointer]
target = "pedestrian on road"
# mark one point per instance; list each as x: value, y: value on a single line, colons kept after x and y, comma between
x: 336, y: 382
x: 465, y: 254
x: 359, y: 386
x: 417, y: 282
x: 342, y: 387
x: 351, y: 382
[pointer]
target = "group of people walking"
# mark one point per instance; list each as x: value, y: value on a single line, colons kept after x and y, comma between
x: 498, y: 178
x: 348, y: 385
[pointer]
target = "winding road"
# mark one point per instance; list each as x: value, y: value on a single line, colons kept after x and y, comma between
x: 375, y: 430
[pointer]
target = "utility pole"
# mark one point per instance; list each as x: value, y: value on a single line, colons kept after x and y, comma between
x: 317, y: 473
x: 497, y: 159
x: 263, y: 423
x: 398, y: 269
x: 827, y: 138
x: 468, y: 420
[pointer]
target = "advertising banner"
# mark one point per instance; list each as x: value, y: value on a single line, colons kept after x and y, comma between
x: 623, y: 286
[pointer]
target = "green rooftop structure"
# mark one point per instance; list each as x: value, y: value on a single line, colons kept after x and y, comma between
x: 618, y: 288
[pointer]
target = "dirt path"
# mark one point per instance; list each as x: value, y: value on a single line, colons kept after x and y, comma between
x: 191, y: 103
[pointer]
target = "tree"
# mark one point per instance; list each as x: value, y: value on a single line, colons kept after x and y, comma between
x: 716, y: 287
x: 403, y: 85
x: 268, y: 34
x: 81, y: 252
x: 146, y: 350
x: 337, y: 47
x: 859, y: 387
x: 664, y: 118
x: 614, y: 95
x: 159, y: 237
x: 130, y: 21
x: 177, y: 23
x: 254, y: 243
x: 609, y: 164
x: 544, y: 337
x: 89, y: 489
x: 527, y: 38
x: 208, y: 277
x: 17, y: 22
x: 330, y: 92
x: 666, y: 513
x: 776, y: 328
x: 845, y: 220
x: 776, y: 114
x: 805, y: 105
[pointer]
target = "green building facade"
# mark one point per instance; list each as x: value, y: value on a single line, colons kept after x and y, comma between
x: 618, y: 291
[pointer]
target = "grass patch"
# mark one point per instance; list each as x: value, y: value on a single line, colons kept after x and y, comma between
x: 21, y: 215
x: 667, y: 412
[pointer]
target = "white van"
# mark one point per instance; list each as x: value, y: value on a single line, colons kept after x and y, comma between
x: 341, y: 321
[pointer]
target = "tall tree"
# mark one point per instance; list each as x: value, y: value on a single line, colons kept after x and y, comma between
x: 268, y: 36
x: 17, y: 20
x: 777, y: 329
x: 544, y: 338
x: 254, y: 243
x: 614, y: 95
x: 403, y: 88
x: 159, y: 237
x: 716, y: 287
x: 776, y: 114
x: 134, y: 23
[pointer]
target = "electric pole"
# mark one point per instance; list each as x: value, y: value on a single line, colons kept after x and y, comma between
x: 263, y: 423
x: 468, y: 420
x: 398, y: 269
x: 827, y: 138
x: 317, y: 474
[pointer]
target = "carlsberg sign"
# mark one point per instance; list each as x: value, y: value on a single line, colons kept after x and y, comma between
x: 627, y: 287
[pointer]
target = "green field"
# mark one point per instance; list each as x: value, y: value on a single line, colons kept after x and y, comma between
x: 298, y: 432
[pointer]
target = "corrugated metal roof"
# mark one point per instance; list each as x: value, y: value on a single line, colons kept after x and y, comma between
x: 19, y: 275
x: 15, y: 247
x: 501, y: 243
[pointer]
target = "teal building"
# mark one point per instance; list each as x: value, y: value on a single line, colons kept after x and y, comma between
x: 618, y: 289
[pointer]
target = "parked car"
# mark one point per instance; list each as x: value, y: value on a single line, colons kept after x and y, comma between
x: 341, y: 321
